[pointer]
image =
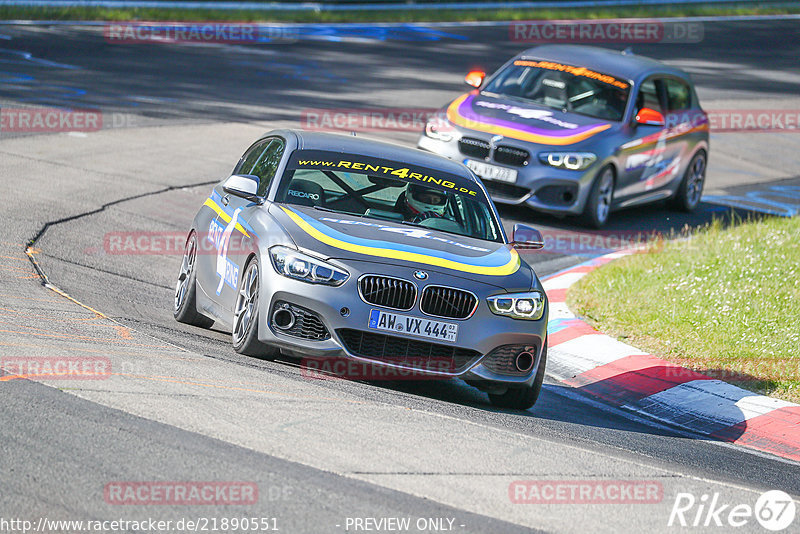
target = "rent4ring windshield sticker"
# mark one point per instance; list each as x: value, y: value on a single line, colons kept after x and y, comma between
x: 575, y: 71
x: 336, y: 161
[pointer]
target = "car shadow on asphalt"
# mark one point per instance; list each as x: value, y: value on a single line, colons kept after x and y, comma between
x: 557, y: 403
x: 646, y: 220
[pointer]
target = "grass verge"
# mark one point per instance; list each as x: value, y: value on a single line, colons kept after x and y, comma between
x: 444, y: 15
x: 724, y: 302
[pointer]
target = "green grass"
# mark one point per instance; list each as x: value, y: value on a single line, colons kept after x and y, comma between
x: 725, y: 302
x: 90, y: 13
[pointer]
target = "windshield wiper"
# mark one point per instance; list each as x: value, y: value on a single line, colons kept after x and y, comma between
x: 329, y: 210
x: 417, y: 225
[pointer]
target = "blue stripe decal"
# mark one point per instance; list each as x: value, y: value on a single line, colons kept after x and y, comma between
x: 216, y: 197
x: 498, y: 258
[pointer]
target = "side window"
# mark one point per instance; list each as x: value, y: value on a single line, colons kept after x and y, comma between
x: 267, y: 164
x: 250, y: 157
x: 648, y: 96
x: 679, y: 96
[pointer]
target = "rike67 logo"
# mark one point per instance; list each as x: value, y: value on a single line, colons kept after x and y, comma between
x: 774, y: 510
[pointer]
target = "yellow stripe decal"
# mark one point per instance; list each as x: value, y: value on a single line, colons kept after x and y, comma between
x: 501, y: 270
x: 224, y: 216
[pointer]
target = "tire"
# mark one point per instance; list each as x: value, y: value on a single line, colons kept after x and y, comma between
x: 689, y: 192
x: 246, y: 314
x: 598, y: 205
x: 522, y: 398
x: 184, y: 307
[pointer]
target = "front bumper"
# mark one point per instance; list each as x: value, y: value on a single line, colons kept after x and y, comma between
x: 539, y: 186
x: 479, y: 335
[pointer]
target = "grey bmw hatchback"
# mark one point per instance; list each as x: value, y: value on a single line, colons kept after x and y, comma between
x: 578, y: 130
x: 322, y: 246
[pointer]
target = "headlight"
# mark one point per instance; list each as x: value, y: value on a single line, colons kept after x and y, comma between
x: 518, y: 305
x: 439, y: 128
x: 573, y: 161
x: 299, y: 266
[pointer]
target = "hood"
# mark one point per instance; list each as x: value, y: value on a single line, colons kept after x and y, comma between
x: 346, y: 237
x: 524, y: 121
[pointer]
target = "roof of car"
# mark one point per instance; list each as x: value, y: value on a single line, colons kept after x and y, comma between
x: 350, y: 144
x: 626, y: 65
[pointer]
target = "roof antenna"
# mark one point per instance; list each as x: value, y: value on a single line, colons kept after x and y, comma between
x: 628, y: 51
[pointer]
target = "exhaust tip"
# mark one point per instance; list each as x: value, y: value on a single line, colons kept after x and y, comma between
x: 283, y: 318
x: 524, y: 361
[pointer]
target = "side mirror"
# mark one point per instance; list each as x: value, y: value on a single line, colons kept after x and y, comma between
x: 526, y: 237
x: 475, y: 78
x: 650, y: 117
x: 242, y: 185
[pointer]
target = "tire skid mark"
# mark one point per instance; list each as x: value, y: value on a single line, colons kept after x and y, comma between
x: 104, y: 271
x: 8, y: 378
x: 160, y: 356
x: 13, y: 269
x: 77, y: 337
x: 124, y: 332
x: 32, y: 299
x: 31, y: 251
x: 176, y: 380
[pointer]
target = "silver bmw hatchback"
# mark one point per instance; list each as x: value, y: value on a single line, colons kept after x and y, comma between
x: 578, y: 130
x: 323, y: 246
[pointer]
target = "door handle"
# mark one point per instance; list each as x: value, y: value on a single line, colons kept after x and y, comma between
x: 226, y: 199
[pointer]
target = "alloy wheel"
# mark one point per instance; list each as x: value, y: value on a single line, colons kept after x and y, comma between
x: 187, y: 266
x: 246, y: 303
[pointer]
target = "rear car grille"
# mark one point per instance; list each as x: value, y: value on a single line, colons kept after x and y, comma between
x: 509, y: 155
x: 505, y: 190
x: 501, y: 359
x: 409, y: 353
x: 388, y: 292
x: 307, y: 324
x: 449, y: 302
x: 469, y: 146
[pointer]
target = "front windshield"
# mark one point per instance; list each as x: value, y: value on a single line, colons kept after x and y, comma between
x: 387, y: 190
x: 563, y: 87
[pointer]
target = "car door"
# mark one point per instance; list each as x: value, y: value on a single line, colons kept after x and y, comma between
x: 656, y: 154
x: 644, y: 152
x: 242, y: 236
x: 684, y: 121
x: 227, y: 240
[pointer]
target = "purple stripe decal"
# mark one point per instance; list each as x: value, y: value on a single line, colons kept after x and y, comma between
x: 466, y: 110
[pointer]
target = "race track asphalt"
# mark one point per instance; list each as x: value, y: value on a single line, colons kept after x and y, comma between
x: 182, y: 405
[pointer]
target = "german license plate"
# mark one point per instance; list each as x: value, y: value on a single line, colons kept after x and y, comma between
x: 492, y: 172
x: 415, y: 326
